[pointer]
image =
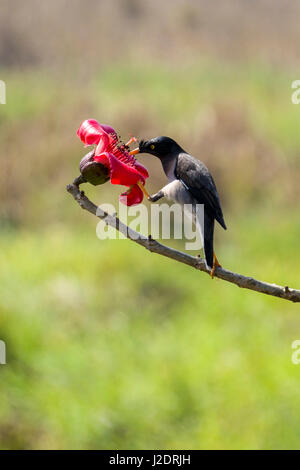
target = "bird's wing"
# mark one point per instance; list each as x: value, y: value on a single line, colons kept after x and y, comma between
x: 197, y: 179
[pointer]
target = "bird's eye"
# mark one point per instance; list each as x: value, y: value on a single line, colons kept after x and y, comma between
x: 152, y: 146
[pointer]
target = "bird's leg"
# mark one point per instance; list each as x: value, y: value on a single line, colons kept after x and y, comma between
x: 215, y: 265
x: 156, y: 196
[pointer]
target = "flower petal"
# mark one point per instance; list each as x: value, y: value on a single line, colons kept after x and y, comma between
x: 122, y: 167
x: 120, y: 173
x: 134, y: 195
x: 103, y: 144
x: 103, y: 158
x: 108, y: 129
x: 91, y: 132
x: 141, y: 169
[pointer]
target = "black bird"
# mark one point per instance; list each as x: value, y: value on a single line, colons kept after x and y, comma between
x: 189, y: 182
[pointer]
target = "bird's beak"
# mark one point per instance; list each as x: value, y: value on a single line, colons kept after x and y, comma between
x: 135, y: 151
x: 142, y: 148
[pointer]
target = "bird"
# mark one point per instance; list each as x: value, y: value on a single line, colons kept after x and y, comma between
x: 189, y: 182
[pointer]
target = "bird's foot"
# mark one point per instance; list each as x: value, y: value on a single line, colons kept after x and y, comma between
x: 152, y: 198
x: 216, y: 264
x: 156, y: 197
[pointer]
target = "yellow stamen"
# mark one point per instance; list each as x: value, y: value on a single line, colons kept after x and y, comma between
x: 133, y: 139
x: 142, y: 187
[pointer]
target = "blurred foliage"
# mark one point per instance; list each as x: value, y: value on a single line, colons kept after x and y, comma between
x: 109, y: 346
x: 230, y: 116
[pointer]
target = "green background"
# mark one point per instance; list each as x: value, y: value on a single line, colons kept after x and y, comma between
x: 109, y: 346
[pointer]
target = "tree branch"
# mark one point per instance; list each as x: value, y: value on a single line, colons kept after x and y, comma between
x: 196, y: 262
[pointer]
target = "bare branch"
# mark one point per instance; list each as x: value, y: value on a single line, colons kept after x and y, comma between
x: 196, y: 262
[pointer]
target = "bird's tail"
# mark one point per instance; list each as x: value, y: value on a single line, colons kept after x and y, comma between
x: 209, y: 225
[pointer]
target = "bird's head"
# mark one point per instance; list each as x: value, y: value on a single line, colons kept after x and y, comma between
x: 159, y: 147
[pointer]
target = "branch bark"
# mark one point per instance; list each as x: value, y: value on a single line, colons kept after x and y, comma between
x: 196, y: 262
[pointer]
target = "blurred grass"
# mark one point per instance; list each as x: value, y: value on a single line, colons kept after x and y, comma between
x: 109, y: 346
x: 168, y: 91
x: 231, y: 116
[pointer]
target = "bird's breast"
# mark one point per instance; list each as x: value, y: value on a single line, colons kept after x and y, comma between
x: 169, y: 165
x: 175, y: 191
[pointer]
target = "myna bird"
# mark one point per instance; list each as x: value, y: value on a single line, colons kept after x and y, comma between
x: 189, y: 182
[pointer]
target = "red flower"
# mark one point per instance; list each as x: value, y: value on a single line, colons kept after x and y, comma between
x: 115, y: 160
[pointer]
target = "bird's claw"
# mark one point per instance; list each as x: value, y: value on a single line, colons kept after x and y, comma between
x: 216, y: 264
